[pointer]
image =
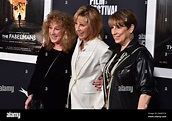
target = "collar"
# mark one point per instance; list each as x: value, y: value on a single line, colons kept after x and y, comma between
x: 131, y: 46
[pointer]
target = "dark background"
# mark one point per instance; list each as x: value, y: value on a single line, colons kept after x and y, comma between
x: 163, y: 36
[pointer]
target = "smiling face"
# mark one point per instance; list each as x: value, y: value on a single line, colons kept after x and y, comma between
x: 123, y: 24
x: 55, y: 32
x: 82, y: 28
x: 121, y: 34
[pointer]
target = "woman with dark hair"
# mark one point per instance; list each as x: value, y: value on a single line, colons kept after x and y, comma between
x: 128, y: 76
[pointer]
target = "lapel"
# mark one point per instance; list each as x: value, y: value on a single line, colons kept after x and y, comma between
x: 92, y: 44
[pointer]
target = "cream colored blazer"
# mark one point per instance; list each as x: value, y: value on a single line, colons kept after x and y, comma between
x: 87, y: 66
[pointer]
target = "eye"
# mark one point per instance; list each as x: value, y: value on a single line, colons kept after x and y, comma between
x: 49, y: 27
x: 57, y: 29
x: 118, y: 26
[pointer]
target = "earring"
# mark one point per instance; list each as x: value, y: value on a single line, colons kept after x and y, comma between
x: 66, y: 37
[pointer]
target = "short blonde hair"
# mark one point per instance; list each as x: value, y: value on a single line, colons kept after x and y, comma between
x: 94, y: 18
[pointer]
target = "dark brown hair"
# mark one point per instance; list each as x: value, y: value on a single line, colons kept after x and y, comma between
x: 123, y: 17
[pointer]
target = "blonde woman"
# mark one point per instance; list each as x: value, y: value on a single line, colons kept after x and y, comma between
x: 90, y: 55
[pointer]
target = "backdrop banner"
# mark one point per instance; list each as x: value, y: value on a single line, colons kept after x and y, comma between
x: 15, y: 76
x: 107, y: 8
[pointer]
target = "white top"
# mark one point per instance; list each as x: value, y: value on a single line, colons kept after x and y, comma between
x: 87, y: 65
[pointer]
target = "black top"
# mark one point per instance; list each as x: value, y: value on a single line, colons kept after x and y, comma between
x: 132, y: 77
x: 53, y: 88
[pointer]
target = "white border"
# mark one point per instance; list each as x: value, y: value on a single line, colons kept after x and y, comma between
x: 22, y: 57
x: 150, y: 37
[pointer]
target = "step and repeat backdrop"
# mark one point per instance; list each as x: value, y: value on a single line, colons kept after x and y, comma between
x: 106, y: 8
x: 19, y: 45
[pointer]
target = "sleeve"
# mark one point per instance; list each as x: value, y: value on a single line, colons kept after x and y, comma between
x: 36, y: 76
x: 145, y: 68
x: 105, y: 56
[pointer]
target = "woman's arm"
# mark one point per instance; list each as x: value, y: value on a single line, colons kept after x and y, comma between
x: 28, y: 100
x: 143, y: 101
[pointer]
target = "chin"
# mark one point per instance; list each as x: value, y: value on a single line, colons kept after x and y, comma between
x: 81, y: 38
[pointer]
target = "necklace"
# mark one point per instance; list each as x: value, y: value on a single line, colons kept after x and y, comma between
x: 52, y: 64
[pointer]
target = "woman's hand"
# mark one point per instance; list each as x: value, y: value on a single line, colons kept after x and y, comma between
x: 98, y: 83
x: 28, y: 101
x: 144, y: 101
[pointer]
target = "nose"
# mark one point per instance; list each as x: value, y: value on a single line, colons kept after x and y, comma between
x: 51, y: 31
x: 77, y: 27
x: 113, y: 31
